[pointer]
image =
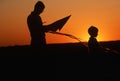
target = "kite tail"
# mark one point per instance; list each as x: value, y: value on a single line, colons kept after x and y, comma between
x: 69, y: 35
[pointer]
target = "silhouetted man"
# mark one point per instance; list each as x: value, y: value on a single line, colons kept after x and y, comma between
x: 36, y: 28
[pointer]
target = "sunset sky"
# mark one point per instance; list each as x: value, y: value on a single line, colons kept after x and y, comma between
x: 104, y: 14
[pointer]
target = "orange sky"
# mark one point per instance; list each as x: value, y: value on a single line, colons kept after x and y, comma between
x: 104, y: 14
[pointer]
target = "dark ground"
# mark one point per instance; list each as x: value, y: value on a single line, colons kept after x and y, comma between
x: 60, y: 62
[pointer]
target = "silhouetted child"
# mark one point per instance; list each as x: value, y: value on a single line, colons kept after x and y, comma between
x: 94, y: 49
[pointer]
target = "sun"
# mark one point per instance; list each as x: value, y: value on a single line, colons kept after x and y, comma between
x: 85, y: 38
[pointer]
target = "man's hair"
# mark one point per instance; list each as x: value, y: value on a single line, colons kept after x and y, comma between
x: 39, y: 5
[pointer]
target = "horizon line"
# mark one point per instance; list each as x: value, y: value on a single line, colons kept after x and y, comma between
x: 60, y: 43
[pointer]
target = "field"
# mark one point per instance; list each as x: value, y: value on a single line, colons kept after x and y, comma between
x: 69, y: 61
x: 57, y: 49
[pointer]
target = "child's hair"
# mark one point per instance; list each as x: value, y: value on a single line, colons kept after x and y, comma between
x: 93, y: 31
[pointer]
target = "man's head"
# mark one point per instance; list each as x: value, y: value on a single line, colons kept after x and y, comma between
x: 39, y: 7
x: 93, y: 31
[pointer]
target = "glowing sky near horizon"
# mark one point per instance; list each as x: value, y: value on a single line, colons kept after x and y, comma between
x: 104, y: 14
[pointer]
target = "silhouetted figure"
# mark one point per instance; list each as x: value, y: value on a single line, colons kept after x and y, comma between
x: 94, y: 49
x: 36, y: 28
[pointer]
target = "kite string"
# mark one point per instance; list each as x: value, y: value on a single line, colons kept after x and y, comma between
x: 69, y: 35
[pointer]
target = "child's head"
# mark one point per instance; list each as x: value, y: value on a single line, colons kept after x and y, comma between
x: 93, y: 31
